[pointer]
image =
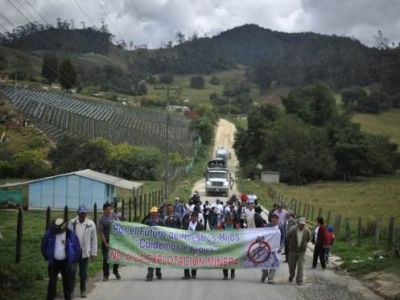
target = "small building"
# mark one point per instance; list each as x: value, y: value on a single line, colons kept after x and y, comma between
x: 270, y: 177
x: 73, y: 189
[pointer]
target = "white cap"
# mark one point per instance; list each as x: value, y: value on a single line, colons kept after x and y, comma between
x: 302, y: 220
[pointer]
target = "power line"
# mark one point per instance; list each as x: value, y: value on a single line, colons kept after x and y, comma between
x: 5, y: 29
x: 19, y: 11
x: 24, y: 8
x: 7, y: 20
x: 108, y: 17
x: 38, y: 13
x: 83, y: 11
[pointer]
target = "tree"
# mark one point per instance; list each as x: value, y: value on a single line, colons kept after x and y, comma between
x: 167, y: 78
x: 50, y: 68
x: 352, y: 96
x: 197, y: 82
x: 67, y: 75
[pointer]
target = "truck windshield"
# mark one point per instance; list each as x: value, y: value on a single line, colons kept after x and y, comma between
x: 217, y: 175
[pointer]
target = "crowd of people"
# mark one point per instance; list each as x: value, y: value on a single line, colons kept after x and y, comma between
x: 69, y: 246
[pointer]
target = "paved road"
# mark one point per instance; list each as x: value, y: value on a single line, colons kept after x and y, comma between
x: 318, y: 284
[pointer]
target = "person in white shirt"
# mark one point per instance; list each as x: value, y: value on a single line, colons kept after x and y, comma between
x: 249, y: 215
x: 85, y: 229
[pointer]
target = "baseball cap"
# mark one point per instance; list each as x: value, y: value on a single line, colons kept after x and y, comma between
x: 82, y: 209
x: 154, y: 209
x: 302, y: 220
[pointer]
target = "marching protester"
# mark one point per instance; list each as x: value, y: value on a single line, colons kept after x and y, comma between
x: 212, y: 217
x: 60, y: 248
x: 206, y: 211
x: 330, y: 240
x: 85, y: 230
x: 270, y: 273
x: 258, y: 219
x: 290, y: 221
x: 192, y: 225
x: 228, y: 225
x: 298, y: 237
x: 153, y: 220
x: 249, y: 215
x: 172, y: 219
x: 319, y: 239
x: 104, y: 228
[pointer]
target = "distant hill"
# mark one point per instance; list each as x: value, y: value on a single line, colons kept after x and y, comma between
x: 273, y: 58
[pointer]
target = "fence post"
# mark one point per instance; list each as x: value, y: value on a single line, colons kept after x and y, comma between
x: 95, y: 213
x: 312, y: 212
x: 135, y: 207
x: 123, y: 210
x: 338, y: 223
x: 305, y: 210
x: 299, y: 209
x: 48, y: 216
x: 295, y: 207
x: 397, y: 243
x: 159, y: 197
x: 145, y: 205
x: 390, y: 232
x: 348, y: 232
x: 141, y: 205
x: 359, y: 231
x: 130, y: 210
x: 66, y: 214
x: 308, y: 211
x: 377, y: 232
x: 19, y: 236
x: 328, y: 218
x: 115, y: 205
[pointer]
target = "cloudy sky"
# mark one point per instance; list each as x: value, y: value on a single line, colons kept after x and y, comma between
x: 154, y: 22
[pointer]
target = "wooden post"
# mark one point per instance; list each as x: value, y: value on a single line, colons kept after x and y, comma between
x: 377, y: 232
x: 299, y: 209
x: 319, y: 212
x: 48, y: 217
x: 115, y: 204
x: 123, y: 210
x: 328, y: 218
x: 338, y: 223
x: 305, y: 210
x: 18, y: 247
x: 66, y: 214
x: 312, y: 212
x: 159, y: 197
x: 141, y: 205
x: 390, y: 232
x: 397, y: 243
x: 130, y: 210
x: 348, y: 232
x: 359, y: 231
x: 295, y: 208
x: 135, y: 208
x: 308, y: 211
x: 95, y: 213
x: 145, y: 205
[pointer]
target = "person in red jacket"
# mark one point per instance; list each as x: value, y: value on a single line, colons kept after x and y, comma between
x: 320, y: 241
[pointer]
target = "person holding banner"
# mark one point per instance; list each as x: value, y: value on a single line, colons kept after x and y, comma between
x: 228, y: 225
x: 270, y: 273
x: 153, y: 220
x: 193, y: 225
x: 298, y: 237
x: 103, y: 226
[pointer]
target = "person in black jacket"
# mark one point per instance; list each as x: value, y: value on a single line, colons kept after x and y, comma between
x: 171, y: 219
x: 195, y: 225
x: 258, y: 219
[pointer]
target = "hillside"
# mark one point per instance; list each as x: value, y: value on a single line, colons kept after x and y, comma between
x: 273, y: 57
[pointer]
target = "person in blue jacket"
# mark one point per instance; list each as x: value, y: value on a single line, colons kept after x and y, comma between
x: 60, y: 248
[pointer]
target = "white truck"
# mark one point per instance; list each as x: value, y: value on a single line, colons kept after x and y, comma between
x: 217, y: 177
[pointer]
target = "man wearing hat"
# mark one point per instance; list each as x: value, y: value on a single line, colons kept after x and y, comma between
x: 85, y: 230
x: 298, y: 237
x: 60, y: 247
x: 153, y: 220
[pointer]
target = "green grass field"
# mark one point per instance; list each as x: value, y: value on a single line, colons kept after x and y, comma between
x: 387, y: 123
x: 369, y: 198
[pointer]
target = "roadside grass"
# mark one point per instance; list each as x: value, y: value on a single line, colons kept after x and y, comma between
x: 386, y: 123
x: 370, y: 199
